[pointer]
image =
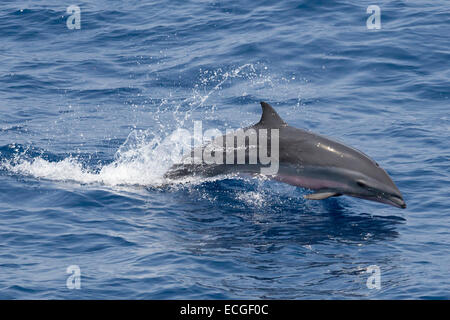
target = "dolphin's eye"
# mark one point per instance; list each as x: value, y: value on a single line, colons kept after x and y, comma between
x: 361, y: 184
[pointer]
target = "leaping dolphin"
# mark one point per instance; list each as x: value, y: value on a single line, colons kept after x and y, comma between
x: 307, y: 160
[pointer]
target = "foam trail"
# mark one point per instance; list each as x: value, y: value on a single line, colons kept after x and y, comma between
x: 138, y: 162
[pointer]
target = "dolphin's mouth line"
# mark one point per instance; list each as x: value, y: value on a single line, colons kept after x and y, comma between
x: 391, y: 199
x: 396, y: 201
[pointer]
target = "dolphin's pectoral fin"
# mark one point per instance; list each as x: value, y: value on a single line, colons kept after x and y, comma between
x: 321, y: 195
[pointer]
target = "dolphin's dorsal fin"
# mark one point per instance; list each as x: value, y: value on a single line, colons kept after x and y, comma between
x: 270, y: 117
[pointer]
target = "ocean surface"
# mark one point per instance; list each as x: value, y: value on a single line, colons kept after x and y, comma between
x: 90, y: 121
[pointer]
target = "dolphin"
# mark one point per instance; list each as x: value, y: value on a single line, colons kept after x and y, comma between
x: 306, y: 160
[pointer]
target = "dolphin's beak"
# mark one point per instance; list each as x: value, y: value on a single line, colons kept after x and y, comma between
x: 392, y: 198
x: 387, y: 192
x: 396, y: 201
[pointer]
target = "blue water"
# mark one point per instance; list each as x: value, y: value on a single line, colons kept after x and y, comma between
x: 89, y: 118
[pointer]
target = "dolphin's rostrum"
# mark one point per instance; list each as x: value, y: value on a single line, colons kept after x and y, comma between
x: 306, y: 160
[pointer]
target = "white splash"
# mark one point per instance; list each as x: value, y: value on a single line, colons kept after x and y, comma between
x: 252, y: 198
x: 139, y: 161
